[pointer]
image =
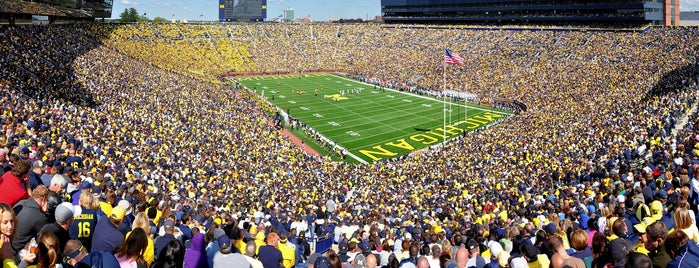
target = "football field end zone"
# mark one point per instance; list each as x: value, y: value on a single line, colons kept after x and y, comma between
x: 437, y: 136
x: 325, y: 139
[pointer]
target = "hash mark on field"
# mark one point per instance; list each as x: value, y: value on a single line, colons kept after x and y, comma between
x: 265, y: 87
x: 407, y: 100
x: 375, y: 92
x: 391, y: 96
x: 273, y: 91
x: 348, y: 85
x: 304, y: 108
x: 427, y: 105
x: 292, y: 102
x: 317, y: 115
x: 352, y: 133
x: 282, y: 97
x: 338, y: 82
x: 333, y: 123
x: 258, y: 83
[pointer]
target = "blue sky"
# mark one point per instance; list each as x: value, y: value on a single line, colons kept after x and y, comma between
x: 319, y: 9
x: 191, y: 9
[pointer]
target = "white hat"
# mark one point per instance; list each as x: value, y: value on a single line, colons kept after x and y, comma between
x: 125, y: 205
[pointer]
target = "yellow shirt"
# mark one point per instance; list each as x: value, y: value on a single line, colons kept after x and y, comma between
x: 240, y: 245
x: 288, y: 255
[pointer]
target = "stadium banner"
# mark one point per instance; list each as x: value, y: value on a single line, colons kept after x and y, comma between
x: 263, y: 17
x: 221, y: 10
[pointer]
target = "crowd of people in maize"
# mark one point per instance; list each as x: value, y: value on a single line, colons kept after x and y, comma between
x: 121, y: 145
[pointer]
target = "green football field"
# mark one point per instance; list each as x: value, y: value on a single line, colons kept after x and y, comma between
x: 370, y: 123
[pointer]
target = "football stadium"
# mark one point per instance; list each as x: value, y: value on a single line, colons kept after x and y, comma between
x: 445, y: 141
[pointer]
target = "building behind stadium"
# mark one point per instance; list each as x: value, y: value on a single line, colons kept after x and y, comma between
x: 614, y: 12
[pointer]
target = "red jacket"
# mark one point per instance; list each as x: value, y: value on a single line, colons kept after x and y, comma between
x: 12, y: 191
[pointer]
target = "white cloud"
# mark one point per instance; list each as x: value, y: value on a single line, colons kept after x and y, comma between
x: 689, y: 5
x: 129, y: 3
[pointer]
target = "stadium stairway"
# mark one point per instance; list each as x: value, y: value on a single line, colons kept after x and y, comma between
x: 683, y: 121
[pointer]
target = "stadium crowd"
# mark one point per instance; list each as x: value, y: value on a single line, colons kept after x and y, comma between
x: 120, y: 148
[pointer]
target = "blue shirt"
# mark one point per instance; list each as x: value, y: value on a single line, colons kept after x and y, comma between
x: 270, y: 257
x: 107, y: 237
x: 161, y: 242
x: 83, y: 227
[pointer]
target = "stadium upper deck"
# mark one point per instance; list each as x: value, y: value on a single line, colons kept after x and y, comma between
x: 618, y: 12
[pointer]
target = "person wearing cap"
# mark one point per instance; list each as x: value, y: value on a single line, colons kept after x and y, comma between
x: 85, y: 186
x: 270, y: 255
x: 107, y: 237
x: 654, y: 239
x: 14, y: 184
x: 63, y: 221
x: 35, y: 174
x: 127, y: 223
x: 161, y: 241
x: 212, y: 235
x: 30, y: 217
x: 474, y: 254
x: 227, y: 257
x: 640, y: 229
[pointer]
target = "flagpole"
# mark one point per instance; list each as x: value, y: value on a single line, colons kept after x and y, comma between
x: 444, y: 100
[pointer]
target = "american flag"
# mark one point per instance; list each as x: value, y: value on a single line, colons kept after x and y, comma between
x: 453, y: 58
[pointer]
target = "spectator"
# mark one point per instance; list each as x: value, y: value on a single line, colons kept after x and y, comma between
x: 15, y: 184
x: 35, y: 174
x: 84, y: 223
x: 683, y: 221
x: 64, y: 219
x: 288, y: 253
x: 681, y: 251
x: 107, y: 237
x: 638, y: 260
x: 74, y: 252
x: 560, y: 257
x: 251, y: 257
x: 8, y: 225
x: 172, y: 256
x: 195, y: 256
x: 130, y: 253
x: 56, y: 188
x: 226, y: 257
x: 269, y: 254
x: 141, y: 221
x: 30, y: 217
x: 212, y: 236
x: 655, y: 244
x: 161, y: 241
x: 618, y: 246
x: 47, y: 251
